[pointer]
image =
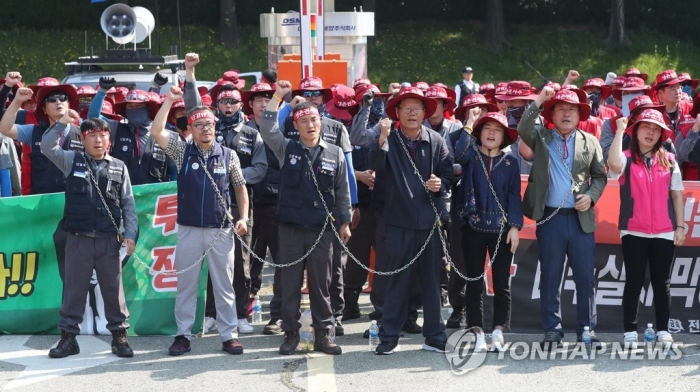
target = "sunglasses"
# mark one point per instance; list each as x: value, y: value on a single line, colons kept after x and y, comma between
x: 53, y: 98
x: 229, y: 101
x: 312, y: 94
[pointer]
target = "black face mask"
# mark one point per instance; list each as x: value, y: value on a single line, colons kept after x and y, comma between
x: 181, y: 123
x: 516, y: 112
x: 595, y: 102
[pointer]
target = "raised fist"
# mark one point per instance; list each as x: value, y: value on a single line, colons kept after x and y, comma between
x: 547, y: 93
x: 621, y: 124
x: 12, y: 78
x: 191, y: 59
x: 70, y: 116
x: 385, y: 125
x: 394, y: 88
x: 160, y: 79
x: 174, y: 94
x: 573, y: 75
x: 283, y: 88
x: 297, y: 100
x: 106, y: 83
x: 368, y: 98
x: 23, y: 95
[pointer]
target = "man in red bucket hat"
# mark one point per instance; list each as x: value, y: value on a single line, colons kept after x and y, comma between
x: 445, y: 103
x: 567, y: 178
x: 404, y: 148
x: 517, y: 95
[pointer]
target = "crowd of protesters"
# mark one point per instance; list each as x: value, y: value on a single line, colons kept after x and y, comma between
x: 421, y: 174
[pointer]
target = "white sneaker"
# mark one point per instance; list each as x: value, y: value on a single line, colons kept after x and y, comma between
x: 630, y: 341
x: 665, y: 339
x: 480, y: 346
x: 244, y: 327
x: 497, y: 341
x: 209, y: 324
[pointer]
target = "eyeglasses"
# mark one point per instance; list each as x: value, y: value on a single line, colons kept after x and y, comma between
x: 56, y: 97
x: 229, y: 101
x: 312, y: 94
x: 203, y: 126
x: 412, y: 110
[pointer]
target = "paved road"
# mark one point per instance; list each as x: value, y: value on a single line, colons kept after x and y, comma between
x: 25, y: 366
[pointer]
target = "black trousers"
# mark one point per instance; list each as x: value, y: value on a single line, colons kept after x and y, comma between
x: 659, y: 254
x: 241, y: 274
x: 456, y: 286
x: 475, y: 244
x: 337, y: 271
x: 360, y: 245
x: 264, y: 238
x: 296, y: 242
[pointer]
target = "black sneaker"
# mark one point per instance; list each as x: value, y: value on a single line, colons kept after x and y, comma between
x: 323, y: 342
x: 339, y: 329
x: 381, y: 330
x: 387, y: 348
x: 232, y: 346
x: 552, y: 339
x: 411, y: 326
x: 291, y: 341
x: 274, y: 327
x: 120, y: 346
x: 352, y: 313
x: 68, y: 345
x: 180, y: 346
x: 432, y: 344
x: 456, y: 319
x: 595, y: 342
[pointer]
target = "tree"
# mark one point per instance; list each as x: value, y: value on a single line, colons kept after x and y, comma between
x: 228, y: 24
x: 616, y: 35
x: 495, y: 33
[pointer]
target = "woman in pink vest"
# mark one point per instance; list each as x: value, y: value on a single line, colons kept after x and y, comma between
x: 651, y: 217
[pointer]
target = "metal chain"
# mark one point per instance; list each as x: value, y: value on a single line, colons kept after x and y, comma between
x: 574, y: 187
x: 99, y: 193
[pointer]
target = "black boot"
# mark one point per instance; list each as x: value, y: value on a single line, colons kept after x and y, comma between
x: 291, y: 341
x: 352, y: 308
x: 323, y: 342
x: 456, y: 319
x: 66, y: 346
x: 120, y: 346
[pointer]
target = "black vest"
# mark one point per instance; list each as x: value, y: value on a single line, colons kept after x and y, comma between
x: 47, y: 177
x: 265, y: 192
x: 197, y: 202
x: 153, y: 165
x: 361, y: 162
x: 299, y: 201
x: 330, y: 131
x: 84, y: 212
x: 240, y: 139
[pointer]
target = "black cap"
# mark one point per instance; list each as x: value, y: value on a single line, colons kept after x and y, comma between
x: 467, y: 69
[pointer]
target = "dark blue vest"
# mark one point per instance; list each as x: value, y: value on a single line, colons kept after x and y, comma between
x: 361, y: 162
x: 299, y: 201
x: 47, y: 177
x: 151, y: 168
x: 84, y: 212
x: 197, y: 202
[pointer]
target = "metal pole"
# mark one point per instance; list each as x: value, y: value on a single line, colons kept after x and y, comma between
x: 179, y: 30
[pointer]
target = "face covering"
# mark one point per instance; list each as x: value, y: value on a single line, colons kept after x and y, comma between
x: 688, y: 89
x: 138, y: 117
x: 626, y: 99
x: 516, y: 112
x: 376, y: 112
x: 181, y: 123
x: 595, y: 103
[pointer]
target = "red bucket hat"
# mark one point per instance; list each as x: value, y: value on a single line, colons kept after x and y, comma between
x: 450, y: 92
x: 653, y: 116
x: 44, y: 82
x: 313, y: 83
x: 666, y: 78
x: 517, y: 90
x: 107, y: 111
x: 232, y: 76
x: 567, y: 96
x: 45, y: 91
x: 635, y: 84
x: 684, y: 77
x: 421, y: 85
x: 339, y: 106
x: 616, y: 84
x: 180, y: 103
x: 642, y: 102
x: 599, y: 83
x: 410, y: 92
x: 471, y: 101
x: 137, y: 96
x: 207, y: 101
x: 86, y: 91
x: 509, y: 136
x: 636, y: 73
x: 214, y: 92
x: 441, y: 93
x: 258, y: 89
x: 360, y: 92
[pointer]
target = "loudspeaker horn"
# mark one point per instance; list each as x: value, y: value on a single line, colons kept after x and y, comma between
x: 145, y: 23
x: 118, y: 21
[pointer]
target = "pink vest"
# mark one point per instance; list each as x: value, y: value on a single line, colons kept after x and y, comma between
x: 645, y: 200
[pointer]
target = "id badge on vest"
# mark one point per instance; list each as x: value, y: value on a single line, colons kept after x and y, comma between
x: 219, y: 168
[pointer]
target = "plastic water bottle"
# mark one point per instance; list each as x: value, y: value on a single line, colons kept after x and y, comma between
x: 586, y: 337
x: 306, y: 333
x: 331, y: 331
x: 257, y: 311
x: 649, y: 337
x: 373, y: 336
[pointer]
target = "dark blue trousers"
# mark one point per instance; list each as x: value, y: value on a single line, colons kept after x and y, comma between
x: 559, y: 238
x: 402, y: 245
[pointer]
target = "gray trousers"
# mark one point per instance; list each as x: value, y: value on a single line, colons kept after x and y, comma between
x: 83, y: 254
x: 192, y: 242
x: 294, y: 242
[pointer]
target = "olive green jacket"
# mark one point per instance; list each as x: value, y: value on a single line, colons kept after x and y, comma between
x: 588, y: 167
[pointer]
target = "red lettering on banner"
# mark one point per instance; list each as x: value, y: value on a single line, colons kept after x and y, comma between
x: 164, y: 261
x: 165, y: 215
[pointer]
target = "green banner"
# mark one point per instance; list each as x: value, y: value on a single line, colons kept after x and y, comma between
x: 31, y: 287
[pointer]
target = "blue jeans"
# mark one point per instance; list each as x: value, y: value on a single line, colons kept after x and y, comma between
x: 559, y: 238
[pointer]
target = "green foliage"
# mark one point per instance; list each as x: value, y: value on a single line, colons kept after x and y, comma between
x: 438, y: 53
